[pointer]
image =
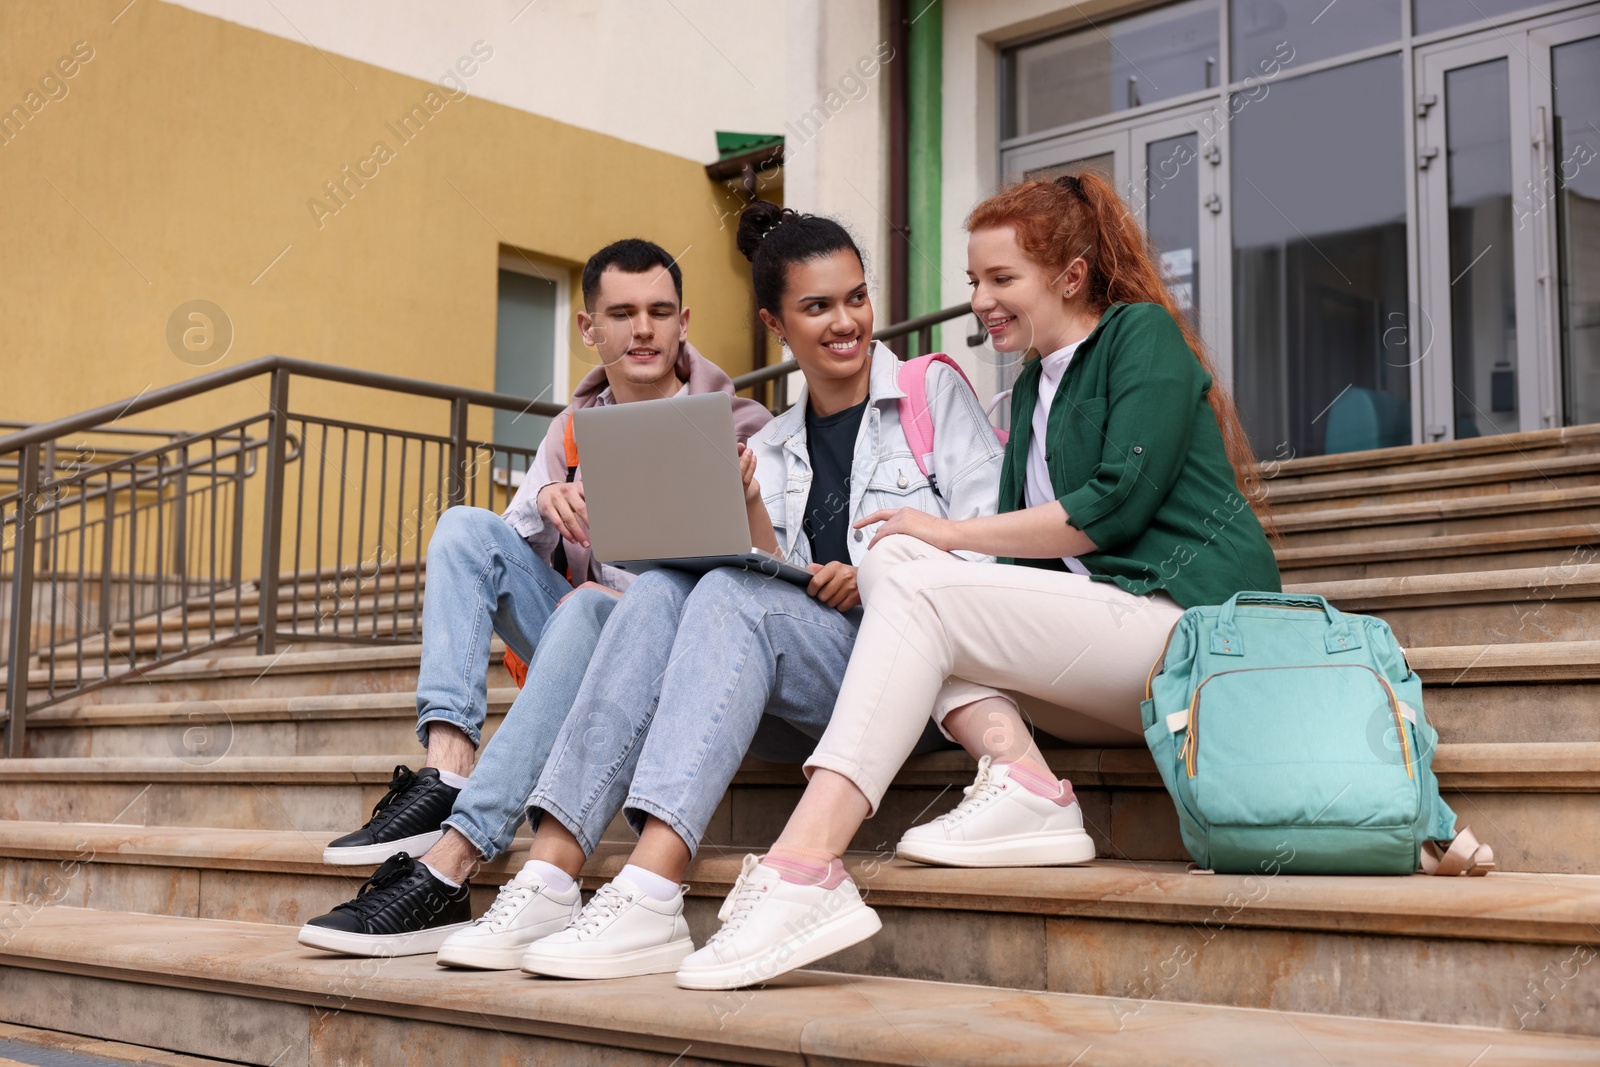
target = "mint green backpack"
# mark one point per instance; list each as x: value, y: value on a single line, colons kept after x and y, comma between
x: 1291, y: 737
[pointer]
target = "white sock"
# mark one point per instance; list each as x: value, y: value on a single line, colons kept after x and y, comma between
x: 553, y: 876
x: 655, y: 887
x: 442, y: 878
x: 452, y: 779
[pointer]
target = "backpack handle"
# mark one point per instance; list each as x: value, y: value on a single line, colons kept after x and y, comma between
x: 1226, y: 640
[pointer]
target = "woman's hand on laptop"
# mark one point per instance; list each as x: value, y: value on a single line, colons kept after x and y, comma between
x: 834, y: 584
x: 747, y: 472
x: 561, y: 504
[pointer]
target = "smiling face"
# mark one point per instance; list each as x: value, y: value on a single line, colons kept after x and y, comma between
x: 1017, y: 300
x: 636, y: 324
x: 826, y: 317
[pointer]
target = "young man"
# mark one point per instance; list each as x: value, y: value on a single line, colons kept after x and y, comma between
x: 504, y: 572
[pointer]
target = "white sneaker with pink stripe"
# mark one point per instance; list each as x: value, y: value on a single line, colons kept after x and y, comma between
x: 1002, y: 823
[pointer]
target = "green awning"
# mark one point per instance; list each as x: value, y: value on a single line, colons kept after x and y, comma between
x: 737, y: 144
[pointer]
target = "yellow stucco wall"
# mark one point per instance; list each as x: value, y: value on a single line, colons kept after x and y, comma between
x: 179, y: 161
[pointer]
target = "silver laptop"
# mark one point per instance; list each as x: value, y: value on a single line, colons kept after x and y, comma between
x: 661, y: 481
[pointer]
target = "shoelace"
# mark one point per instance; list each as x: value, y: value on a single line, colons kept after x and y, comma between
x: 404, y: 781
x: 742, y: 900
x: 607, y: 903
x: 512, y: 896
x: 976, y: 795
x: 371, y: 897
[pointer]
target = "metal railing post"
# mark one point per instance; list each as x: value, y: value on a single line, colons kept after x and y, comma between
x: 272, y: 513
x: 456, y: 486
x: 180, y: 526
x: 22, y: 603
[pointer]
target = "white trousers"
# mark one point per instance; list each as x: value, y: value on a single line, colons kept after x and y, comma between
x: 941, y: 632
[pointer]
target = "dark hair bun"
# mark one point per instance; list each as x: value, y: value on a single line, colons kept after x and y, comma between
x: 759, y: 218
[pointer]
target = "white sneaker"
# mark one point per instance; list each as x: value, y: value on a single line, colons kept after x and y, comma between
x: 621, y: 932
x: 771, y: 927
x: 525, y: 910
x: 1001, y: 824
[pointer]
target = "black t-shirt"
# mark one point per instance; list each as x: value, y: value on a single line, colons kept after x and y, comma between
x: 832, y: 443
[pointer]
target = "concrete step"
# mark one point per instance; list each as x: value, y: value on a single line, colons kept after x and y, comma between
x: 1477, y: 607
x: 76, y: 1050
x: 131, y: 977
x: 402, y: 595
x: 1091, y: 930
x: 1534, y: 445
x: 311, y: 625
x: 1535, y: 803
x: 299, y: 668
x: 337, y: 724
x: 1483, y: 516
x: 1392, y: 557
x: 1414, y: 486
x: 1517, y: 699
x: 1551, y: 603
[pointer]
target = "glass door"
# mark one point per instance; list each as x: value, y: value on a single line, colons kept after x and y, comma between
x: 1166, y: 171
x: 1106, y: 153
x: 1562, y: 207
x: 1509, y: 206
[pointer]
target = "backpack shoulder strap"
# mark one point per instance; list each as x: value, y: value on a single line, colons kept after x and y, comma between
x: 572, y: 450
x: 915, y: 417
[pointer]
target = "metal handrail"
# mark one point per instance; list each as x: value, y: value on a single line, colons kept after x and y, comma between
x: 161, y: 544
x: 304, y: 368
x: 922, y: 326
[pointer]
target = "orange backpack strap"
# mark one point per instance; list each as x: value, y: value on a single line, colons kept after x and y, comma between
x: 572, y: 451
x: 517, y: 668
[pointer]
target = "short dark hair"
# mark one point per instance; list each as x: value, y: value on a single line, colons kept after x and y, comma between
x: 633, y: 255
x: 773, y: 237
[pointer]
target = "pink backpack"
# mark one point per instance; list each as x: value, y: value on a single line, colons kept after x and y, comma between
x: 915, y: 418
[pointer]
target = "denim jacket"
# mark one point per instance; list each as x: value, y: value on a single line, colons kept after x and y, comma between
x: 883, y: 474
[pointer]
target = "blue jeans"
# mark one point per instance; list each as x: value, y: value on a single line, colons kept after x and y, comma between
x: 482, y: 576
x: 683, y: 676
x: 495, y: 799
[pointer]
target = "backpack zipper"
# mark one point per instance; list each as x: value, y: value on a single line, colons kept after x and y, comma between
x: 1191, y: 743
x: 1155, y: 668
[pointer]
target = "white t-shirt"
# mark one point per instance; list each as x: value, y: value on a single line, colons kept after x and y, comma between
x: 1039, y: 489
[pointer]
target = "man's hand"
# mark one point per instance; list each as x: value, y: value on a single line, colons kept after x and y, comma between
x: 561, y: 504
x: 747, y: 472
x: 919, y: 524
x: 834, y: 585
x: 588, y: 585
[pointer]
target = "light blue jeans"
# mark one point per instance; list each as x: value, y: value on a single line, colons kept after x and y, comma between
x: 684, y: 678
x: 495, y: 799
x: 482, y: 577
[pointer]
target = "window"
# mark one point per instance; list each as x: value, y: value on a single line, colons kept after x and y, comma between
x: 1113, y: 67
x: 1265, y: 32
x: 1430, y: 15
x: 1319, y: 260
x: 530, y: 349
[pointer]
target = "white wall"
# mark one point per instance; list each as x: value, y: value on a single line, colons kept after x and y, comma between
x: 657, y: 73
x: 836, y: 124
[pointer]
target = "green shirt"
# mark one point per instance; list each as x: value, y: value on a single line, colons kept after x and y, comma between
x: 1136, y: 458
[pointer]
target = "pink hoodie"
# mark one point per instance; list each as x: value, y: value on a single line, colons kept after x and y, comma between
x: 698, y: 374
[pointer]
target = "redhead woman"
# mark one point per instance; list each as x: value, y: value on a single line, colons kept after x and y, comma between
x: 1125, y: 497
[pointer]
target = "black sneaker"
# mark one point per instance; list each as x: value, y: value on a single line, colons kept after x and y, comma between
x: 402, y: 910
x: 409, y: 818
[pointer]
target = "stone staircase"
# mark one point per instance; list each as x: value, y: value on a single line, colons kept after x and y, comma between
x: 163, y: 839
